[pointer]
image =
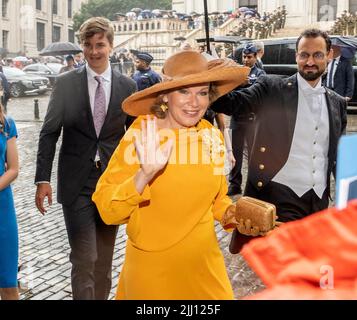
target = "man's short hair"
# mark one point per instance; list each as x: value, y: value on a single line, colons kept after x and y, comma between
x: 94, y: 26
x: 69, y: 58
x: 259, y: 45
x: 314, y: 33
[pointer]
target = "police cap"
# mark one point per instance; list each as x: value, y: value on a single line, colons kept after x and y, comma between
x: 249, y: 48
x: 147, y: 57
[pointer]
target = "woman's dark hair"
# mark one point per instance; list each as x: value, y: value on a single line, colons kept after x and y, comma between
x: 314, y: 33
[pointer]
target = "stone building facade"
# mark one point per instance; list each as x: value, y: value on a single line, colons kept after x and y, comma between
x: 300, y: 13
x: 27, y: 26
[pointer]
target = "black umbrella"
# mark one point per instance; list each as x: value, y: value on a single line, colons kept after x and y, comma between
x: 348, y: 45
x: 134, y: 52
x: 180, y: 38
x: 60, y: 49
x: 344, y: 41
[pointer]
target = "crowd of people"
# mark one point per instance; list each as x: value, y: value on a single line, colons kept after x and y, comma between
x: 261, y: 27
x: 252, y: 23
x: 139, y: 152
x: 345, y: 25
x: 77, y: 59
x: 194, y: 20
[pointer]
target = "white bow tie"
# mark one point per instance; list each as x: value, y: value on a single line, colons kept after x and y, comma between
x: 314, y: 91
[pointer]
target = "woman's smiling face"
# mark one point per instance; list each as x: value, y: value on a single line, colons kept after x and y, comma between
x: 187, y: 106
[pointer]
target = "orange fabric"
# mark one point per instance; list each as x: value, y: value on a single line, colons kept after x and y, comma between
x: 312, y: 258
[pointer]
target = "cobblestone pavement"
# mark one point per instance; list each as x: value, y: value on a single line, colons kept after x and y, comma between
x: 44, y: 249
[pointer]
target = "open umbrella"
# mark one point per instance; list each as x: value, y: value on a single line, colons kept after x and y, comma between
x: 60, y: 49
x: 180, y: 38
x: 344, y: 41
x: 348, y: 45
x: 122, y: 50
x: 156, y: 12
x: 20, y: 59
x: 136, y: 10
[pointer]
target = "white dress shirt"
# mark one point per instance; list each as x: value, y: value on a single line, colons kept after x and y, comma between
x: 306, y: 167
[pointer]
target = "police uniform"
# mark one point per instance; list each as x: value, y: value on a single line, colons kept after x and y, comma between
x: 242, y: 130
x: 148, y: 77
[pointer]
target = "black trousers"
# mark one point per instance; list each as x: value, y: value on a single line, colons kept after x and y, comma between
x: 242, y: 131
x: 289, y: 206
x: 92, y: 245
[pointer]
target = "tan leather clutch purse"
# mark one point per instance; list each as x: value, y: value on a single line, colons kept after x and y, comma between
x: 260, y: 213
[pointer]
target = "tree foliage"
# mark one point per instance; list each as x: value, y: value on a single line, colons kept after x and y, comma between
x: 108, y: 8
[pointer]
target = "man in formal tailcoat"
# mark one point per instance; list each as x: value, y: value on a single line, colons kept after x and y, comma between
x: 297, y: 127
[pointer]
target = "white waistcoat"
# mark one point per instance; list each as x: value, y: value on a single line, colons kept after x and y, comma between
x: 306, y: 167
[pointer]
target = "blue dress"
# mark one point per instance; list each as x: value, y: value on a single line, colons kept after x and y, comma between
x: 8, y: 224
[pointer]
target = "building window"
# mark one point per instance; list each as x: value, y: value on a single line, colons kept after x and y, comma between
x: 40, y: 36
x: 70, y: 9
x: 5, y: 39
x: 70, y: 35
x: 353, y: 6
x: 54, y: 7
x: 327, y: 10
x: 248, y: 3
x: 39, y: 4
x: 4, y: 8
x: 56, y: 37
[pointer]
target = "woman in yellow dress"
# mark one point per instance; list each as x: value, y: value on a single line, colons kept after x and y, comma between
x: 166, y: 181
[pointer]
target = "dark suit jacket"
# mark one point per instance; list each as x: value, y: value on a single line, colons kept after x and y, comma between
x: 274, y: 101
x: 69, y: 109
x: 344, y: 79
x: 6, y: 88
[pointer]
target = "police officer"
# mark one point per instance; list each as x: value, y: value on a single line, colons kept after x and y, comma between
x: 145, y: 77
x: 242, y: 129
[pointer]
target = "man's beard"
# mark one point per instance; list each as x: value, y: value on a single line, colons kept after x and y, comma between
x: 311, y: 76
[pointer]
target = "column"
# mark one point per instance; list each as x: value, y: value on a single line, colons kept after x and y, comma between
x: 341, y: 6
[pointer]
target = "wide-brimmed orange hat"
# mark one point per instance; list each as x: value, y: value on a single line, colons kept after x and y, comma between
x: 187, y: 68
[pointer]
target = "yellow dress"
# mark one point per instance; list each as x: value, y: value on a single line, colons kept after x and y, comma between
x: 172, y: 250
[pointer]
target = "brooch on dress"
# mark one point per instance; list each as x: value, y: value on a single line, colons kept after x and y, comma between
x: 213, y: 144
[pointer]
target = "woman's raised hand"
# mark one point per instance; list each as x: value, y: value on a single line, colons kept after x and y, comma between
x: 152, y: 156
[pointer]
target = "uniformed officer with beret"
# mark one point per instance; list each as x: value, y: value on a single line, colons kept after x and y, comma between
x: 145, y: 77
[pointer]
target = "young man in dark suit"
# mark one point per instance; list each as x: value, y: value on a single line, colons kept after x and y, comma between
x: 86, y: 105
x: 297, y: 128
